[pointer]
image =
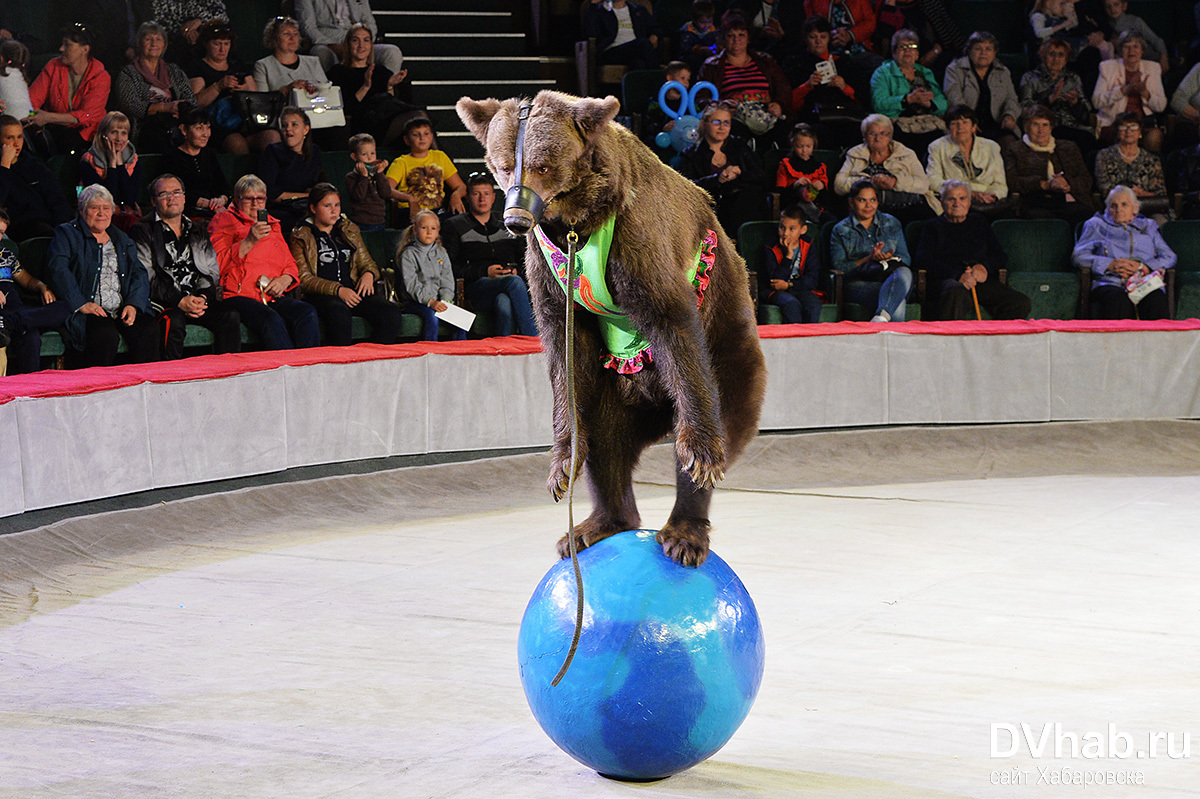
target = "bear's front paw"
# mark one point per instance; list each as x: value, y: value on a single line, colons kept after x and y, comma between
x: 702, y: 456
x: 560, y: 469
x: 589, y: 531
x: 685, y: 541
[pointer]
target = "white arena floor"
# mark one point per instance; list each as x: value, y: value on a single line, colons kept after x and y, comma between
x: 355, y: 636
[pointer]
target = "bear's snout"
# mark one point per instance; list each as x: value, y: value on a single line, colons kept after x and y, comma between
x: 518, y: 222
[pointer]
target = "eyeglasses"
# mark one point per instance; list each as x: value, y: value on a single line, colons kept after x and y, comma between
x: 171, y: 193
x: 253, y: 198
x: 721, y: 123
x: 909, y: 46
x: 474, y: 176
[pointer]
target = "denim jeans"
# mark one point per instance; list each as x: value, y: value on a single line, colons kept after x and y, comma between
x: 802, y: 307
x: 891, y: 295
x: 429, y: 322
x: 282, y: 325
x: 509, y: 298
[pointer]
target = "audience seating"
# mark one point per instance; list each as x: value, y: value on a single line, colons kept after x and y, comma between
x: 1039, y: 265
x: 638, y: 88
x: 1183, y: 292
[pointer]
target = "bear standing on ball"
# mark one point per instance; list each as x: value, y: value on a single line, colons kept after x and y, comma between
x: 669, y: 342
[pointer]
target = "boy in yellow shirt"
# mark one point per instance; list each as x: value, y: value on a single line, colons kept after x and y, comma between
x: 420, y: 178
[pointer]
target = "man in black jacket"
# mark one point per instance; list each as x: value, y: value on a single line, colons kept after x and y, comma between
x: 489, y: 259
x: 184, y: 276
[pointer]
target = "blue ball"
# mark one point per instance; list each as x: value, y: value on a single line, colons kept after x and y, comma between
x: 669, y: 660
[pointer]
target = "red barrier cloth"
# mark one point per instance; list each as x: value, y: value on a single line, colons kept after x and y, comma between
x: 57, y: 383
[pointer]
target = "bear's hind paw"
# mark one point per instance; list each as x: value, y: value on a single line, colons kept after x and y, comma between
x: 685, y: 541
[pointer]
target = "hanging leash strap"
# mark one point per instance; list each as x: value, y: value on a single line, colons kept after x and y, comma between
x: 572, y: 277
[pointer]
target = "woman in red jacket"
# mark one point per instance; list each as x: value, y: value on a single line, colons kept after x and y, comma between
x: 67, y: 120
x: 257, y: 268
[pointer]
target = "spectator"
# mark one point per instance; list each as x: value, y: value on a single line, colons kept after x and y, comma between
x: 326, y: 23
x: 257, y: 268
x: 28, y: 189
x: 214, y: 76
x: 1122, y: 248
x: 901, y: 186
x: 195, y: 164
x: 1129, y: 83
x: 822, y: 96
x: 184, y: 274
x: 725, y: 167
x: 1049, y: 174
x: 368, y: 90
x: 419, y: 178
x: 14, y: 84
x: 656, y: 118
x: 905, y: 91
x: 285, y: 69
x: 853, y: 23
x: 367, y: 185
x: 773, y: 24
x: 1057, y: 18
x: 791, y: 268
x: 1119, y: 22
x: 150, y: 90
x: 112, y: 25
x: 22, y: 324
x: 112, y: 162
x: 802, y: 179
x: 1127, y: 164
x: 1185, y: 101
x: 290, y: 168
x: 337, y: 274
x: 868, y: 248
x: 979, y: 81
x: 94, y: 266
x: 625, y: 33
x: 751, y: 80
x: 489, y: 260
x: 698, y: 38
x: 941, y: 40
x: 427, y: 274
x: 68, y: 97
x: 1053, y: 85
x: 962, y: 257
x: 963, y: 155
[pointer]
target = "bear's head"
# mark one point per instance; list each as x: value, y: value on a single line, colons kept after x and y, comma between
x: 559, y: 140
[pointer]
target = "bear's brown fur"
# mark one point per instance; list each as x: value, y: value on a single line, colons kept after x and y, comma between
x: 707, y: 379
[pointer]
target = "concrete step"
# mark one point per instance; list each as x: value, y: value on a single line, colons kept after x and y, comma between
x: 429, y: 93
x: 471, y: 67
x: 476, y: 44
x: 444, y: 21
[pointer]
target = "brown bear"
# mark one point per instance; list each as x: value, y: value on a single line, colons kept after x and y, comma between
x: 671, y: 342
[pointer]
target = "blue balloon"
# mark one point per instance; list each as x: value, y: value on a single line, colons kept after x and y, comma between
x: 669, y: 662
x: 663, y: 139
x: 699, y: 87
x: 684, y: 100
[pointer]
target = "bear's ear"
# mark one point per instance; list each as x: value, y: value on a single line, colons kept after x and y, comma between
x: 592, y: 114
x: 477, y: 115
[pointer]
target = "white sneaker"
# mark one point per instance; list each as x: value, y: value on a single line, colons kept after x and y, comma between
x: 882, y: 316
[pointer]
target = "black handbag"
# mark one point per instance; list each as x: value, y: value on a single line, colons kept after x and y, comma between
x: 259, y: 109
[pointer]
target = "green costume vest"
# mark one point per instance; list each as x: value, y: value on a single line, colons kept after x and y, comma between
x: 629, y: 351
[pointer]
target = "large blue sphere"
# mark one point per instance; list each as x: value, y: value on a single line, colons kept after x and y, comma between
x: 668, y: 665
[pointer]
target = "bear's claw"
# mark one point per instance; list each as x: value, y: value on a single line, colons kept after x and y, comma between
x: 701, y: 457
x: 685, y: 541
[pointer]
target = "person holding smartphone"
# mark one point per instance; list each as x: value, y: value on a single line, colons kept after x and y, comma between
x: 257, y: 269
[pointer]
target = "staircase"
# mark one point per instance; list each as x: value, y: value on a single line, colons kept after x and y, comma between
x: 454, y: 48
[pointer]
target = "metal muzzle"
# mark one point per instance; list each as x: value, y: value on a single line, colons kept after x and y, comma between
x: 522, y: 205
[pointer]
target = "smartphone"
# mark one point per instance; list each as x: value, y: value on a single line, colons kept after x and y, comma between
x: 262, y: 214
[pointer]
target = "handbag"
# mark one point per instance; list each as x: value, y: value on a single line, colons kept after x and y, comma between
x: 920, y: 123
x: 260, y: 110
x: 755, y: 116
x: 324, y: 106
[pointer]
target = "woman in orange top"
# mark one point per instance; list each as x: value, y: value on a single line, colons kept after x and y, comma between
x: 68, y: 119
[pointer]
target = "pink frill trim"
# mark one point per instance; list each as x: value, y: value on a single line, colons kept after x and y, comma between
x: 628, y: 366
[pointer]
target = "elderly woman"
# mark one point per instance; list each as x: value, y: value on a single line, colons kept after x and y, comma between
x: 150, y: 90
x: 337, y: 274
x: 963, y: 155
x: 908, y: 93
x: 979, y: 81
x: 1123, y: 249
x: 68, y: 97
x: 1060, y: 89
x: 214, y: 77
x: 95, y: 268
x: 868, y: 248
x: 257, y: 268
x: 1130, y: 84
x: 285, y: 69
x: 902, y: 189
x: 725, y: 167
x: 1049, y: 174
x: 1128, y: 164
x: 962, y: 257
x: 752, y: 80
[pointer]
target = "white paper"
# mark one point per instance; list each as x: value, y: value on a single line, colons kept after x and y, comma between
x: 459, y: 317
